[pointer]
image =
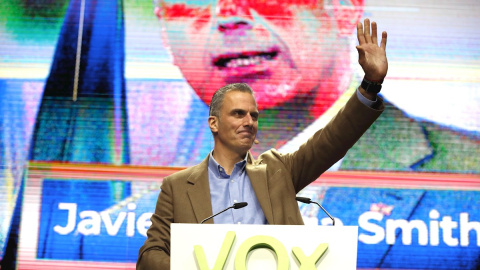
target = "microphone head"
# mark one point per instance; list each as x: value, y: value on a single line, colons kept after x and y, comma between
x: 303, y: 199
x: 239, y: 205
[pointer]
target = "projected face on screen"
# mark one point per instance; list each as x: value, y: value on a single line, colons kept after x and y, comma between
x: 281, y: 48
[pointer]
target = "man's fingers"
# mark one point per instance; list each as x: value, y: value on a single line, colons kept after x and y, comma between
x: 366, y: 30
x: 364, y: 36
x: 383, y: 43
x: 374, y: 33
x: 360, y: 36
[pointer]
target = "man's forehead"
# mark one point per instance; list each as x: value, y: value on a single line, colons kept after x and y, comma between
x: 238, y: 95
x: 237, y: 99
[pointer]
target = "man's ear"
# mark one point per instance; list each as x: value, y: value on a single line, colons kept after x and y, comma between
x: 347, y: 14
x: 213, y: 123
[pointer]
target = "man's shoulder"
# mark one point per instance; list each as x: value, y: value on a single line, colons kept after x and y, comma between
x: 269, y: 156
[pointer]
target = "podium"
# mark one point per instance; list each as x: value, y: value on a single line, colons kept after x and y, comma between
x: 232, y: 246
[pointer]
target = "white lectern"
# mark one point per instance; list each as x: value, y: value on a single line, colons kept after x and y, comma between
x: 227, y: 246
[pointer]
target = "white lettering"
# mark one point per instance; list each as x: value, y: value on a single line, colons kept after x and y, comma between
x: 465, y: 228
x: 406, y: 227
x: 131, y: 219
x: 447, y: 225
x: 71, y: 220
x: 434, y: 228
x: 90, y: 223
x: 143, y: 223
x: 112, y: 229
x: 378, y: 232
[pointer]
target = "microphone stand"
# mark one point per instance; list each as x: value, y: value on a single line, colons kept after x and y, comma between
x: 309, y: 201
x: 234, y: 206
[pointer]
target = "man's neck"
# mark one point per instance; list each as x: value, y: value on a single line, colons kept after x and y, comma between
x: 227, y: 159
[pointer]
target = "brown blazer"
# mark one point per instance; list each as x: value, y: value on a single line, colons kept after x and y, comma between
x: 276, y: 179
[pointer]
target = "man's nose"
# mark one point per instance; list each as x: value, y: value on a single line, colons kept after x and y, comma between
x: 248, y: 120
x: 233, y: 15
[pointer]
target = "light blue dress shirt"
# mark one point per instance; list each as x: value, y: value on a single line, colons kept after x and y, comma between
x: 366, y: 101
x: 225, y: 190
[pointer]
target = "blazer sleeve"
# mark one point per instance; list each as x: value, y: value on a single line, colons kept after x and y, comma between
x: 155, y: 252
x: 330, y: 144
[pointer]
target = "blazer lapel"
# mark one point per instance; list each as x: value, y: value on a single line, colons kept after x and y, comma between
x: 258, y: 177
x: 199, y: 192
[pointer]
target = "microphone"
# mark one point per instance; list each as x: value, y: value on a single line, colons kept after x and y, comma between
x: 308, y: 201
x: 234, y: 206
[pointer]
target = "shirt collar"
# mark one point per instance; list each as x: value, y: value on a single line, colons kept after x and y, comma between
x: 219, y: 171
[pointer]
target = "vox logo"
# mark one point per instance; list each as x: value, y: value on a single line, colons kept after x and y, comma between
x: 255, y: 242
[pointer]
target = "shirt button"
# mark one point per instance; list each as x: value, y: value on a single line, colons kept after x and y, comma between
x: 239, y: 222
x: 235, y: 201
x: 233, y: 181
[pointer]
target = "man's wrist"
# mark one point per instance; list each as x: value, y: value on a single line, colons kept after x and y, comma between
x: 371, y: 86
x: 366, y: 100
x: 380, y: 81
x: 370, y: 96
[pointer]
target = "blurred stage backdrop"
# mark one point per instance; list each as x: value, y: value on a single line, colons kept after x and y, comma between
x: 102, y: 99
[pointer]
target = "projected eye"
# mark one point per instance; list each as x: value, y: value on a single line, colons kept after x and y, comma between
x: 273, y: 9
x: 280, y: 9
x: 171, y: 10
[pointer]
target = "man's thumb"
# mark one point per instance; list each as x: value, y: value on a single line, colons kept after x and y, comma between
x: 361, y: 54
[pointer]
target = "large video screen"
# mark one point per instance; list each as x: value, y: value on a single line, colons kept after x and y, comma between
x: 128, y: 83
x: 88, y: 217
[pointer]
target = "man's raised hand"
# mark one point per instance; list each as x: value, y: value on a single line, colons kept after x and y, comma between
x: 371, y: 56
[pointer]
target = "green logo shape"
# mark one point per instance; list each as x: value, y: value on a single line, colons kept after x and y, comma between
x: 261, y: 241
x: 309, y: 263
x: 222, y: 255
